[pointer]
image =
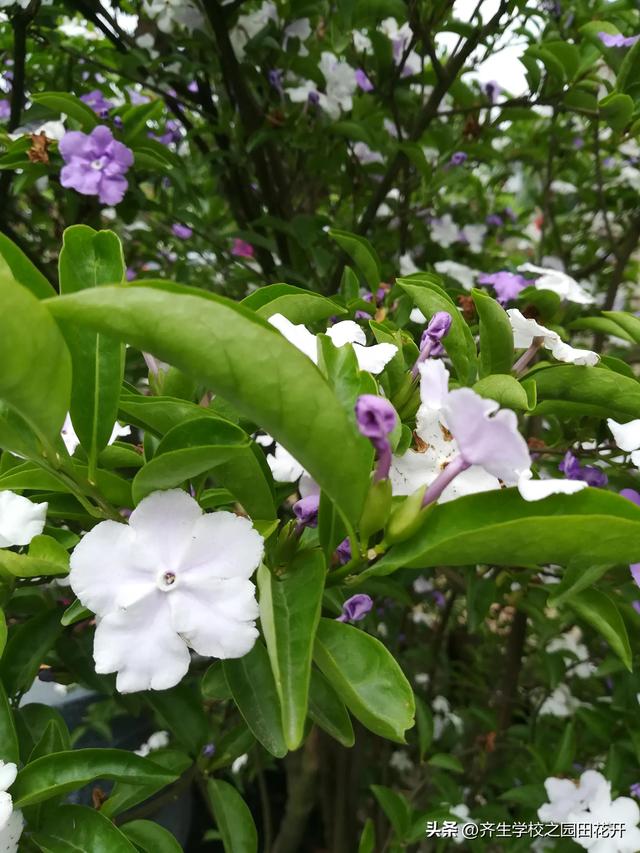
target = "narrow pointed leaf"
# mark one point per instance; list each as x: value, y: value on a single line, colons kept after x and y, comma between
x: 233, y: 817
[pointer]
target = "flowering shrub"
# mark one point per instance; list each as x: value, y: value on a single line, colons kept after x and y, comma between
x: 349, y: 562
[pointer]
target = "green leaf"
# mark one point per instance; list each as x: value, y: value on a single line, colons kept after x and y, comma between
x: 395, y: 807
x: 616, y: 109
x: 289, y: 615
x: 367, y: 841
x: 8, y: 733
x: 158, y: 414
x: 507, y: 391
x: 125, y: 795
x: 3, y: 632
x: 180, y: 709
x: 35, y: 382
x: 46, y: 557
x: 68, y: 829
x: 446, y: 762
x: 577, y: 577
x: 75, y: 612
x: 424, y: 724
x: 26, y: 649
x: 233, y: 818
x: 260, y: 373
x: 496, y: 335
x: 294, y: 303
x: 63, y: 102
x: 62, y: 772
x: 55, y: 738
x: 210, y: 444
x: 254, y: 691
x: 427, y: 294
x: 328, y: 711
x: 24, y: 272
x: 574, y: 391
x: 629, y: 322
x: 363, y: 254
x: 91, y: 259
x: 366, y: 677
x: 601, y: 612
x: 151, y: 837
x: 500, y: 528
x: 628, y: 79
x: 601, y: 324
x: 565, y: 753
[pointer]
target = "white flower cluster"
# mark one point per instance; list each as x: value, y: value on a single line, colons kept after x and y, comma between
x: 172, y: 14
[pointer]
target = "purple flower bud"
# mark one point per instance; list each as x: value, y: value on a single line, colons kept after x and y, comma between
x: 491, y: 90
x: 631, y: 495
x: 437, y: 328
x: 97, y: 101
x: 242, y: 249
x: 617, y: 40
x: 343, y: 551
x: 208, y: 750
x: 578, y: 142
x: 635, y: 572
x: 363, y: 81
x: 634, y: 790
x: 376, y: 418
x: 355, y: 608
x: 494, y: 220
x: 192, y: 87
x: 573, y: 470
x: 275, y: 79
x: 314, y: 99
x: 439, y: 598
x: 182, y: 231
x: 458, y: 158
x: 306, y: 511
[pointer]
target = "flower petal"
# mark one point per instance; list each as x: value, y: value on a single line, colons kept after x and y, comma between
x: 346, y: 332
x: 571, y: 355
x: 537, y: 490
x: 434, y: 383
x: 8, y: 773
x: 163, y: 523
x: 20, y: 519
x: 626, y: 436
x: 296, y: 334
x: 373, y: 359
x: 222, y: 545
x: 10, y: 834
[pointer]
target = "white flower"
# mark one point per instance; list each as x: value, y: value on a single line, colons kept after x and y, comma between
x: 570, y: 642
x: 407, y: 265
x: 171, y: 13
x: 401, y: 761
x: 299, y: 29
x: 248, y: 26
x: 443, y: 716
x: 560, y: 703
x: 11, y: 820
x: 417, y: 316
x: 461, y: 272
x: 537, y: 490
x: 20, y: 520
x: 341, y: 83
x: 525, y: 330
x: 365, y: 155
x: 71, y: 440
x: 560, y: 283
x: 240, y: 762
x: 444, y: 231
x: 627, y: 437
x: 462, y: 812
x: 362, y: 42
x: 474, y: 235
x: 300, y: 94
x: 563, y: 187
x: 158, y: 740
x: 372, y: 359
x: 172, y: 579
x: 422, y: 585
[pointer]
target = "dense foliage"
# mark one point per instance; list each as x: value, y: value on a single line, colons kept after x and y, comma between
x: 349, y: 562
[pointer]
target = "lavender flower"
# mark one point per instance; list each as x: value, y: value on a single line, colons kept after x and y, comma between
x: 494, y: 220
x: 636, y: 606
x: 431, y: 340
x: 343, y: 551
x: 631, y: 495
x: 634, y: 790
x: 492, y: 89
x: 377, y: 418
x: 242, y: 249
x: 208, y: 750
x: 275, y: 80
x: 573, y: 470
x: 635, y: 572
x: 617, y: 40
x: 306, y: 511
x: 507, y: 285
x: 458, y: 158
x: 363, y: 81
x: 182, y: 231
x: 137, y: 98
x: 98, y: 103
x: 171, y: 133
x: 5, y: 109
x: 95, y: 164
x: 355, y: 608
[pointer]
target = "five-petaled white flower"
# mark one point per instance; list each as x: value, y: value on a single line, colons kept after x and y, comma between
x: 560, y: 283
x: 526, y: 330
x: 20, y: 520
x: 627, y: 437
x: 372, y: 359
x: 173, y: 578
x: 11, y: 820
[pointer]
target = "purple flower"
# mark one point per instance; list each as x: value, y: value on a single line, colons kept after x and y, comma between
x: 377, y: 418
x: 634, y: 790
x: 439, y: 598
x: 355, y: 608
x: 242, y: 249
x: 95, y: 164
x: 306, y: 511
x: 573, y: 470
x: 192, y: 87
x: 510, y: 214
x: 137, y: 98
x: 98, y: 103
x: 343, y: 551
x: 617, y: 40
x: 458, y: 158
x: 431, y: 340
x: 130, y: 274
x: 208, y: 750
x: 494, y: 220
x: 507, y: 285
x: 491, y: 90
x: 363, y: 81
x: 5, y: 108
x: 171, y: 133
x: 635, y: 572
x: 182, y: 231
x: 578, y: 142
x: 631, y: 495
x: 636, y: 606
x: 275, y: 79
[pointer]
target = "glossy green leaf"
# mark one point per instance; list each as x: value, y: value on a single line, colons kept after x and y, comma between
x: 395, y: 807
x: 289, y: 614
x: 180, y: 709
x: 629, y: 322
x: 327, y: 710
x: 46, y: 557
x: 233, y: 818
x: 75, y: 612
x: 366, y: 677
x: 507, y: 391
x: 573, y: 391
x: 294, y: 303
x: 628, y: 79
x: 363, y: 254
x: 424, y: 724
x: 429, y: 297
x: 577, y: 577
x: 249, y: 363
x: 62, y: 772
x: 91, y: 259
x: 33, y: 720
x: 500, y: 528
x: 616, y: 109
x: 446, y: 762
x: 496, y: 335
x: 55, y: 738
x: 8, y: 734
x: 24, y: 272
x: 367, y: 841
x: 601, y: 324
x: 600, y: 611
x: 78, y: 829
x: 253, y: 688
x: 26, y: 648
x: 151, y: 837
x: 35, y: 382
x: 63, y: 102
x: 215, y: 445
x: 126, y: 795
x: 158, y: 414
